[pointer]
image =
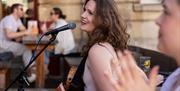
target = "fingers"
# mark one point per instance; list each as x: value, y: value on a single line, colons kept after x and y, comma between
x: 114, y: 83
x: 130, y: 60
x: 28, y: 32
x: 126, y: 71
x: 153, y: 77
x: 59, y: 88
x: 133, y: 68
x: 62, y: 87
x: 160, y: 79
x: 116, y: 66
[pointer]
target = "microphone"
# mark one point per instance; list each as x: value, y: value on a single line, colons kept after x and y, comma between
x: 63, y: 28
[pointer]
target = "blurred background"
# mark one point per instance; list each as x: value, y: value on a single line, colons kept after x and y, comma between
x: 139, y: 15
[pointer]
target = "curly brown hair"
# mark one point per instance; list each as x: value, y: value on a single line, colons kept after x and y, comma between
x: 110, y: 26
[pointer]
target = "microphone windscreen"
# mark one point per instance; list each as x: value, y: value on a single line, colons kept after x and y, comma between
x: 72, y: 25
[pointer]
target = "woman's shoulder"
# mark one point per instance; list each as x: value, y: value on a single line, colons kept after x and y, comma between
x: 62, y: 21
x: 101, y: 49
x: 101, y: 46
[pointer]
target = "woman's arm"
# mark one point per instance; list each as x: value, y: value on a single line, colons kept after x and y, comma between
x: 99, y: 59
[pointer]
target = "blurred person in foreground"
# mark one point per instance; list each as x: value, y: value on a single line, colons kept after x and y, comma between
x: 169, y: 43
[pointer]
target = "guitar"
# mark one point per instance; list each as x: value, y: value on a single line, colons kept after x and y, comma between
x: 64, y: 87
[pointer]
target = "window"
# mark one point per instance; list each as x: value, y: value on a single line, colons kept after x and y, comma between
x: 150, y: 1
x: 10, y: 2
x: 30, y: 7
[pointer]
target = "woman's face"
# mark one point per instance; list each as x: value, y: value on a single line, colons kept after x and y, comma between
x: 88, y: 16
x: 169, y: 33
x: 53, y: 15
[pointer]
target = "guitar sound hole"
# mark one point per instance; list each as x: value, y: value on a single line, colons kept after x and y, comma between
x: 70, y: 79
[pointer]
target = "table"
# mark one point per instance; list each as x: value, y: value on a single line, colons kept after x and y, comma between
x: 30, y: 42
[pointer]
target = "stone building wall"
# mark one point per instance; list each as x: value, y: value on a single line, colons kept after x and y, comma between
x: 141, y: 25
x: 140, y: 18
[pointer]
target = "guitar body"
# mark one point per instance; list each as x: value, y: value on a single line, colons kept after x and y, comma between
x: 70, y: 76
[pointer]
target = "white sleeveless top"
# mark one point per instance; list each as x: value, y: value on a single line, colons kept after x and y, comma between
x: 90, y: 85
x: 88, y: 79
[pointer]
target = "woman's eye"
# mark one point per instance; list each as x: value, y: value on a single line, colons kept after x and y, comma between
x: 91, y: 13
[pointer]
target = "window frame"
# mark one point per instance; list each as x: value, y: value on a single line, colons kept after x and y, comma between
x: 150, y: 2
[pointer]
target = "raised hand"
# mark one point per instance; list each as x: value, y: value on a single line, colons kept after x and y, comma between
x: 129, y: 78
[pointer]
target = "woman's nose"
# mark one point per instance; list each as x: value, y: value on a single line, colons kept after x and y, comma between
x: 83, y: 15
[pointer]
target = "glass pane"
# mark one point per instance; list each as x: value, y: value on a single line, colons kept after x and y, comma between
x: 150, y: 1
x: 10, y: 2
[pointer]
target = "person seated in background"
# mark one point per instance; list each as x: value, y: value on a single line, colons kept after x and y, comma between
x: 169, y: 43
x: 65, y: 39
x: 10, y: 36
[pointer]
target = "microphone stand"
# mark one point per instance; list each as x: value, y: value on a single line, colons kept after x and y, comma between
x: 21, y: 78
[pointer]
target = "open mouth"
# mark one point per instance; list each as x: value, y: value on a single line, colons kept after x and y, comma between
x: 83, y: 21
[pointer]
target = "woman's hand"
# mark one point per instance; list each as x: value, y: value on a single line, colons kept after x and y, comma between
x: 129, y: 77
x: 60, y: 88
